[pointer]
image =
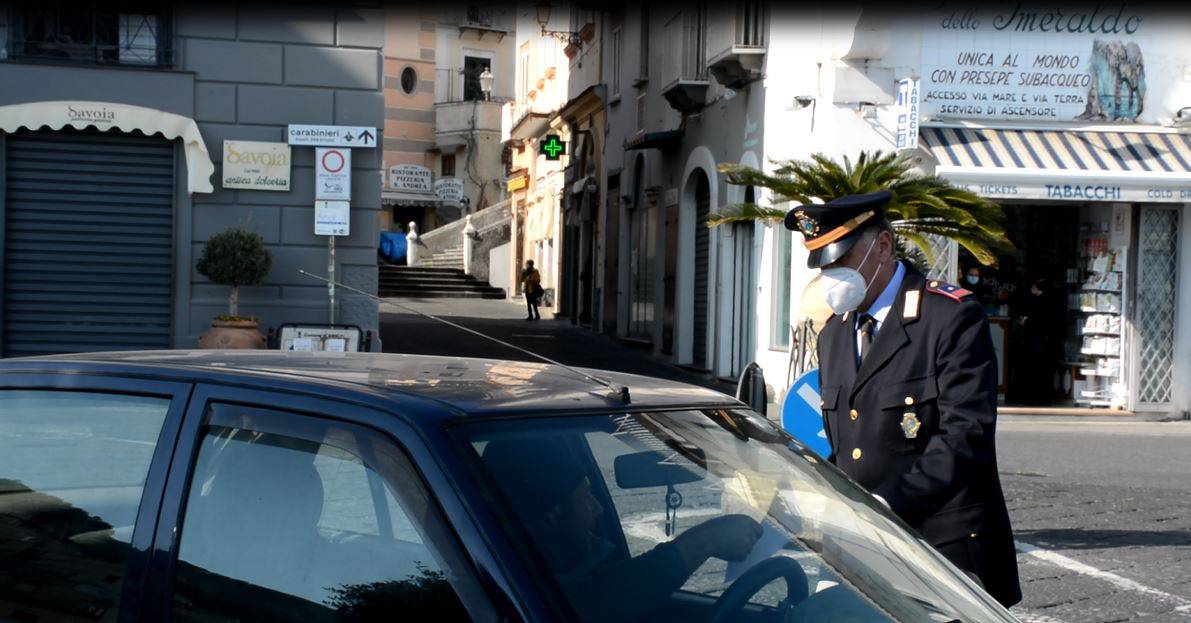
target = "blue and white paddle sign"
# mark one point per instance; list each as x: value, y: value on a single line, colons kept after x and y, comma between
x: 801, y: 416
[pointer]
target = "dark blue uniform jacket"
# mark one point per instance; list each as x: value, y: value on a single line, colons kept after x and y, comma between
x: 932, y: 365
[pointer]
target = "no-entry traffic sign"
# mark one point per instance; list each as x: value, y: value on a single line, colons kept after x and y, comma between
x: 333, y: 174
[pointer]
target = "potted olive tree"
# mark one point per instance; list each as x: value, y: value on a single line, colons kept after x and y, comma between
x: 235, y: 257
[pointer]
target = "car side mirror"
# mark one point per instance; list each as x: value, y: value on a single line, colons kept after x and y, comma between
x: 751, y: 389
x: 654, y: 469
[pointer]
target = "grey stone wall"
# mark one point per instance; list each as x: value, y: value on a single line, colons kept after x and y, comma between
x: 258, y: 68
x: 245, y: 72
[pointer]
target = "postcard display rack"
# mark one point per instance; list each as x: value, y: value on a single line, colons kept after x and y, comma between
x: 1101, y: 306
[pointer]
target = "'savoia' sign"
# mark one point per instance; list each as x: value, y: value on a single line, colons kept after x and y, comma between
x: 252, y: 165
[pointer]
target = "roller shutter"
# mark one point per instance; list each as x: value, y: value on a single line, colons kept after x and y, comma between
x: 88, y: 242
x: 702, y: 239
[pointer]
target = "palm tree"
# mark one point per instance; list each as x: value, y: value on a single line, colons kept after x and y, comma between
x: 922, y: 205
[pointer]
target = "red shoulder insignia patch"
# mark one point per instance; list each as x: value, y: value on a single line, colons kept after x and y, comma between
x: 948, y: 290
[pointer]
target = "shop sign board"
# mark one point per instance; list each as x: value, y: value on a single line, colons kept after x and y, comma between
x: 906, y: 109
x: 1069, y: 189
x: 332, y: 218
x: 253, y: 165
x: 1027, y: 62
x: 331, y: 135
x: 333, y: 174
x: 449, y: 189
x: 411, y: 177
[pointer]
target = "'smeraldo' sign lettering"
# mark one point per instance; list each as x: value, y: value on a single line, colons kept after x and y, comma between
x: 1098, y: 21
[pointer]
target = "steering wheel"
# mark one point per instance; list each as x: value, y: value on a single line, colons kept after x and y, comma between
x: 755, y: 579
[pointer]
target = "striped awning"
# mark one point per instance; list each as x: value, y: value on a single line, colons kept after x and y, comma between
x: 1064, y: 164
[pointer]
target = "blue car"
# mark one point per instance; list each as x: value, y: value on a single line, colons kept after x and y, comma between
x: 264, y: 486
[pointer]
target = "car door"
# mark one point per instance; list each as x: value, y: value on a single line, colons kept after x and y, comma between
x: 83, y: 463
x: 286, y: 507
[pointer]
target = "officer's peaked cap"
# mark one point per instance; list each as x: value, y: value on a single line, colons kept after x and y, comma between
x: 830, y: 229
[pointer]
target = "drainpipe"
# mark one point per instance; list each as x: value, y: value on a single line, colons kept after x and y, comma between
x: 411, y: 246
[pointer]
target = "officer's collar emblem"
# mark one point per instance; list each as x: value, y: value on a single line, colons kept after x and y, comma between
x: 806, y: 224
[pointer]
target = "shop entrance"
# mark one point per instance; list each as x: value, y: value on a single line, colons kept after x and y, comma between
x: 1056, y: 304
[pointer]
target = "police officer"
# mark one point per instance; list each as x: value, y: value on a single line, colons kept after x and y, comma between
x: 908, y: 381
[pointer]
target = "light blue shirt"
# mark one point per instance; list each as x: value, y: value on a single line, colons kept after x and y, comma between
x: 880, y: 307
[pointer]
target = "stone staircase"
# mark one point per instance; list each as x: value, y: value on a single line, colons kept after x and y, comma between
x: 426, y: 281
x: 449, y: 258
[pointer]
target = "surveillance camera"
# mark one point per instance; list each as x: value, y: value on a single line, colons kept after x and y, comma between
x: 804, y: 100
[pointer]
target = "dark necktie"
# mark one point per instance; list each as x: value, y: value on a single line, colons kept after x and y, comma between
x: 865, y: 324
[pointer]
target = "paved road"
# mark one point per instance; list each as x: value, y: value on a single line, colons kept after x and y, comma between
x: 1108, y: 507
x: 1102, y: 510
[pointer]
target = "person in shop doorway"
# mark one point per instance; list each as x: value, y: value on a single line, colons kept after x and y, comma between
x: 531, y: 281
x: 1038, y: 346
x: 974, y: 283
x: 908, y: 380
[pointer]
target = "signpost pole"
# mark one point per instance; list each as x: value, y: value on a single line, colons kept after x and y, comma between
x: 331, y: 274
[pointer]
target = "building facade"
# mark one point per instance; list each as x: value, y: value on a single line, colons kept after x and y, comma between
x: 1075, y: 122
x: 680, y: 94
x: 443, y: 148
x: 113, y: 149
x: 534, y: 179
x: 1076, y: 126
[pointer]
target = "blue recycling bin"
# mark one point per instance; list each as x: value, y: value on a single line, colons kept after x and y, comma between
x: 392, y: 245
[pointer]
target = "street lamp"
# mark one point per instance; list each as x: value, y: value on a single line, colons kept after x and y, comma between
x: 542, y: 16
x: 486, y: 83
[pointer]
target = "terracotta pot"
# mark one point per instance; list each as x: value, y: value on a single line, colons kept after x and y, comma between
x: 232, y: 334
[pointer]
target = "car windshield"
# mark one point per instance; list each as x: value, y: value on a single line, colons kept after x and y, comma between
x: 654, y: 516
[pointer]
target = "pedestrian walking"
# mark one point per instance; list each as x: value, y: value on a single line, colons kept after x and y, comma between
x: 531, y: 280
x: 908, y: 383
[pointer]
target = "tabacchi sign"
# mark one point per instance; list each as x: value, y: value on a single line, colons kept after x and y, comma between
x: 1029, y: 63
x: 252, y: 165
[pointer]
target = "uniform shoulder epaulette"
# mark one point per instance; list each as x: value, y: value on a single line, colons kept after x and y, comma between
x: 948, y: 290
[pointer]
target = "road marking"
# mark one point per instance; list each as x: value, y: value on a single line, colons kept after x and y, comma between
x: 1028, y: 617
x: 1182, y: 605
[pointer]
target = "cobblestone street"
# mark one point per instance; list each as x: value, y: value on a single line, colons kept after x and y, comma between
x: 1103, y: 520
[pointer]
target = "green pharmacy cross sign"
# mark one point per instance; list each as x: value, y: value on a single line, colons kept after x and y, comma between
x: 553, y: 147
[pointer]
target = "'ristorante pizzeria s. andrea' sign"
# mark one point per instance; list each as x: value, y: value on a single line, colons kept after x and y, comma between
x: 1022, y: 62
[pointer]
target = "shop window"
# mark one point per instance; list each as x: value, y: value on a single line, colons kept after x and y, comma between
x: 69, y: 33
x: 448, y: 165
x: 409, y: 80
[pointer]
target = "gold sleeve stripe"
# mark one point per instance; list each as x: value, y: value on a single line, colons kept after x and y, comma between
x: 839, y: 232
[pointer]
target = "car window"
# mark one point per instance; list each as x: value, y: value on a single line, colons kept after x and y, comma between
x: 707, y: 514
x: 72, y: 472
x: 326, y: 523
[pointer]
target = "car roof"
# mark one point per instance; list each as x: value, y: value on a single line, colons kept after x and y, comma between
x: 467, y: 385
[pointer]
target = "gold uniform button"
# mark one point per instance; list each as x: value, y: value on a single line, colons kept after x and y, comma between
x: 856, y: 454
x: 854, y: 414
x: 909, y: 400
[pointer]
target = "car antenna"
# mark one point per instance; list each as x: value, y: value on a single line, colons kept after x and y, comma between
x: 619, y: 392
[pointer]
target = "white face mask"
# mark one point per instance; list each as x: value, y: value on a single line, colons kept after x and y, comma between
x: 973, y: 279
x: 845, y: 288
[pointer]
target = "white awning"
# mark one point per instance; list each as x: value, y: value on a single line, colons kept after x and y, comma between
x: 409, y: 198
x: 106, y: 116
x: 1073, y: 165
